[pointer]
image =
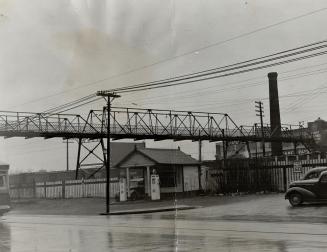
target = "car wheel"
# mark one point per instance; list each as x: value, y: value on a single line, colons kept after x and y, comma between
x: 295, y: 199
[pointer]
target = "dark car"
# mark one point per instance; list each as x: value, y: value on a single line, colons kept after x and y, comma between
x: 308, y: 190
x: 314, y: 173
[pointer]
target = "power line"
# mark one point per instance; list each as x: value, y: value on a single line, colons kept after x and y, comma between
x: 228, y: 74
x: 203, y: 90
x: 80, y: 105
x: 231, y: 67
x: 183, y: 54
x: 86, y: 100
x: 64, y: 109
x: 245, y: 64
x: 231, y: 86
x: 69, y: 104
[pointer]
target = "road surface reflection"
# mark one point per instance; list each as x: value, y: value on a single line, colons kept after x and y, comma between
x: 152, y: 233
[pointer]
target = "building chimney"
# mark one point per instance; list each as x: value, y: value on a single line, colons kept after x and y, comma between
x: 276, y: 147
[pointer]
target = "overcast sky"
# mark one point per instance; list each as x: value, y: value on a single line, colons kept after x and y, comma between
x: 53, y: 52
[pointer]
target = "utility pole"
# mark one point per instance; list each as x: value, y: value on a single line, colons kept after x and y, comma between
x: 109, y: 97
x: 259, y: 109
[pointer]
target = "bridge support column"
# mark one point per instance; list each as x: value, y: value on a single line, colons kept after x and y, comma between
x: 78, y: 157
x: 248, y: 149
x: 88, y: 152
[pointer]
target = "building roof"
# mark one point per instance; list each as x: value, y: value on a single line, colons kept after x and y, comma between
x: 118, y: 151
x: 163, y: 156
x: 3, y: 164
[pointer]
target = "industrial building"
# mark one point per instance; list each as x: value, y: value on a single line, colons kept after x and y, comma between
x: 317, y: 128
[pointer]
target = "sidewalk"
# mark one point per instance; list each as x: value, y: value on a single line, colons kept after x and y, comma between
x: 93, y: 206
x: 96, y: 206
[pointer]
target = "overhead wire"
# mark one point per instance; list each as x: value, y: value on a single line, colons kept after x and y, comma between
x: 227, y: 86
x: 231, y: 87
x: 230, y: 67
x: 226, y: 74
x: 80, y: 102
x: 72, y: 103
x: 184, y: 79
x: 186, y: 53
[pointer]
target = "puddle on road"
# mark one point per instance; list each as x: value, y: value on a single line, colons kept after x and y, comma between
x: 132, y: 233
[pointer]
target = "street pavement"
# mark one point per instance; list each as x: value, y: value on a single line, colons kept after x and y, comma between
x: 239, y: 223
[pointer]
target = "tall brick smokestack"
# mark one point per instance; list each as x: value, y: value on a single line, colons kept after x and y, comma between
x: 276, y: 147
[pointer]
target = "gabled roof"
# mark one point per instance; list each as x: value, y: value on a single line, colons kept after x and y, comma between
x: 164, y: 156
x: 3, y: 163
x: 119, y: 150
x: 4, y: 166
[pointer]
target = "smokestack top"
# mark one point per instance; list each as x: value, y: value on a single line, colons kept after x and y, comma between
x: 272, y: 75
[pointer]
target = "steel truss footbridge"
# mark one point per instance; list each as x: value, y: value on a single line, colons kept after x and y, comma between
x: 138, y: 124
x: 141, y: 124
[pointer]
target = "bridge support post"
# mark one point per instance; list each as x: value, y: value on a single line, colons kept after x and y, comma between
x: 78, y: 157
x: 248, y: 149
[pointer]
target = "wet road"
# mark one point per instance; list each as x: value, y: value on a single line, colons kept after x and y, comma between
x: 203, y: 229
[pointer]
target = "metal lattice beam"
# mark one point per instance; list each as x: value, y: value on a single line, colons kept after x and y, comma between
x: 142, y: 124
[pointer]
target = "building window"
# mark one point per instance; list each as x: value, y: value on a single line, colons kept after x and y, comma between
x: 168, y: 177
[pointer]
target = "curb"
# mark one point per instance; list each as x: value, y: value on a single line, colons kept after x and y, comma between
x: 150, y: 210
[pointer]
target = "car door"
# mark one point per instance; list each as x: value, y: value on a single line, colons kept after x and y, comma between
x: 322, y: 186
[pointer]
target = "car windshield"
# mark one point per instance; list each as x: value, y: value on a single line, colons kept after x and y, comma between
x: 312, y: 174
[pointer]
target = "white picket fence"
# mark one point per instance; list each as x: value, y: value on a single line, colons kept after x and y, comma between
x: 65, y: 189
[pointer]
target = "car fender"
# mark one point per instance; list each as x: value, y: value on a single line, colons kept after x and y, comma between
x: 304, y: 192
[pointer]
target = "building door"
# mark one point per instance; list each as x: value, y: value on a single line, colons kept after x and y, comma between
x: 137, y: 183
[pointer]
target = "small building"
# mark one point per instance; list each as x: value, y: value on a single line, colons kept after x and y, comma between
x: 4, y: 188
x: 4, y: 179
x: 178, y: 172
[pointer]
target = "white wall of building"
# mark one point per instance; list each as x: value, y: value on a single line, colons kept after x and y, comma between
x: 191, y: 178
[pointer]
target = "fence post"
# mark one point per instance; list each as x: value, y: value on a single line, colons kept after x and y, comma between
x: 34, y: 189
x: 83, y: 188
x: 285, y: 179
x: 63, y: 189
x: 45, y: 189
x: 18, y: 190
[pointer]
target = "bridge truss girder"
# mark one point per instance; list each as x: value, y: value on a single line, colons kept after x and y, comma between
x: 137, y: 124
x: 142, y: 124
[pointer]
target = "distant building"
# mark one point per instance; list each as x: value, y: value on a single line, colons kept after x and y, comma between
x: 239, y: 150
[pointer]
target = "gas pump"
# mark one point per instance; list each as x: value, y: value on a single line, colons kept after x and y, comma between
x: 155, y: 187
x: 122, y: 189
